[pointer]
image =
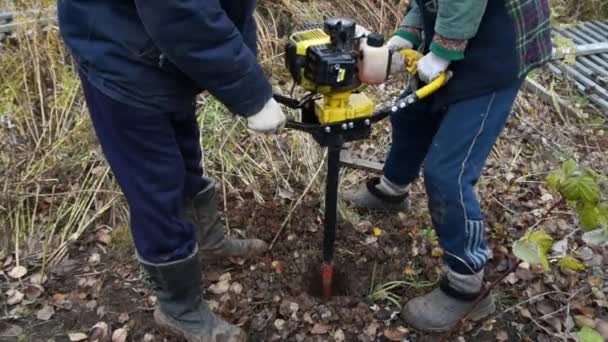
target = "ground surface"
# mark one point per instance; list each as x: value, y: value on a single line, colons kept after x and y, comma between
x: 273, y: 302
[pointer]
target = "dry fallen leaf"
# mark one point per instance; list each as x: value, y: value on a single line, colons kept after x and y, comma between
x: 14, y: 297
x: 278, y: 267
x: 100, y: 331
x: 119, y: 335
x: 104, y: 237
x: 45, y: 313
x: 437, y: 252
x: 363, y: 227
x: 339, y: 335
x: 372, y: 330
x: 220, y: 288
x: 371, y: 240
x: 11, y: 331
x: 376, y: 231
x: 33, y: 291
x: 17, y: 272
x: 77, y: 336
x: 584, y: 321
x: 395, y: 334
x: 502, y: 336
x: 38, y: 278
x: 602, y: 328
x: 236, y: 288
x: 320, y: 329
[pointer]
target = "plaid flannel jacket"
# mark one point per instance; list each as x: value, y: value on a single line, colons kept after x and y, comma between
x: 458, y: 22
x: 532, y: 20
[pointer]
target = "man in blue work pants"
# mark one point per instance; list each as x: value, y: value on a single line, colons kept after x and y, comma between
x: 488, y: 47
x: 142, y: 64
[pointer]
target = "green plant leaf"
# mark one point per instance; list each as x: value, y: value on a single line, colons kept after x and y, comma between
x: 598, y: 237
x: 530, y: 252
x: 526, y: 251
x: 589, y: 215
x: 543, y: 240
x: 569, y: 167
x: 587, y: 334
x: 581, y: 188
x: 571, y: 263
x: 554, y: 180
x: 603, y: 215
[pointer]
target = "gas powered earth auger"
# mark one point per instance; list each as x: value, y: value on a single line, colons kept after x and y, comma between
x: 325, y: 61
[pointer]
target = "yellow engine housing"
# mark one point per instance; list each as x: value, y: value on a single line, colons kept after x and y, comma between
x: 346, y: 106
x: 335, y: 106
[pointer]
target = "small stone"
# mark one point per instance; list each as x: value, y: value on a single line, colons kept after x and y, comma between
x: 279, y: 324
x: 148, y: 337
x: 339, y: 335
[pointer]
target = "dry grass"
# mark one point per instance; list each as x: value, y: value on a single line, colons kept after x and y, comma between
x: 55, y: 183
x: 575, y: 10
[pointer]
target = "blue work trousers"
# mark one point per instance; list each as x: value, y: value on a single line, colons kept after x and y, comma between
x: 453, y: 144
x: 156, y: 159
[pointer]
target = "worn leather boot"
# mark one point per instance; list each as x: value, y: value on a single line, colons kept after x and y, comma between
x: 181, y: 309
x: 439, y: 310
x: 213, y: 243
x: 371, y: 196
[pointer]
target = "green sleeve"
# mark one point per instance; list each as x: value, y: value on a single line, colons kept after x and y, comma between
x: 459, y: 19
x: 413, y: 18
x: 411, y: 25
x: 457, y: 22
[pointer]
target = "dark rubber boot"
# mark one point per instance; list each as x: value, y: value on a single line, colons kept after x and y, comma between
x: 368, y: 196
x: 181, y: 308
x: 439, y: 310
x: 213, y: 243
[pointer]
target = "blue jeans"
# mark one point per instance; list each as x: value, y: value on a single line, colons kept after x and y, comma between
x: 453, y: 144
x: 156, y: 159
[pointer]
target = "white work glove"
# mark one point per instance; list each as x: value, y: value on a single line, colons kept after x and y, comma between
x: 269, y: 119
x: 397, y: 43
x: 430, y: 66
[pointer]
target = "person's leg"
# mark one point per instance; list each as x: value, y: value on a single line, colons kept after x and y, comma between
x: 143, y: 153
x: 454, y: 163
x: 187, y: 135
x: 201, y: 202
x: 413, y: 129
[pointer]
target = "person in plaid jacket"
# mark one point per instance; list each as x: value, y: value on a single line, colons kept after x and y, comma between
x: 490, y: 47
